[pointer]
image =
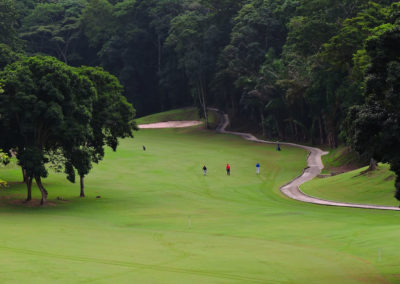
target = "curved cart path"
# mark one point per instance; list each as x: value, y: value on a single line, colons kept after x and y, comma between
x: 314, y: 168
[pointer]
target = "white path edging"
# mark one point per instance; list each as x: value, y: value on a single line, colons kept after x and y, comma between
x: 314, y: 168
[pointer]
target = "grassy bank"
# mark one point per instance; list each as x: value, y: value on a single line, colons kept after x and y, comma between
x: 375, y: 187
x: 341, y: 160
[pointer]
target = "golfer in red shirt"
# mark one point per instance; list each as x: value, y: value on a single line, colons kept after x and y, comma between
x: 228, y: 169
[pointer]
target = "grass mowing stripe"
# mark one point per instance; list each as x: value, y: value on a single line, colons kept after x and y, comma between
x: 131, y: 264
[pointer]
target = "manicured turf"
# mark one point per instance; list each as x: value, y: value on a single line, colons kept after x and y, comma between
x: 341, y: 159
x: 375, y: 187
x: 161, y: 221
x: 189, y: 113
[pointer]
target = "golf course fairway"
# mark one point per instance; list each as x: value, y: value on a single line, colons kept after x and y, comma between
x: 159, y: 220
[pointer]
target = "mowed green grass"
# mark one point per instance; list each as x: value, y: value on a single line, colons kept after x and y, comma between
x: 341, y: 159
x: 375, y: 187
x: 188, y: 113
x: 161, y: 221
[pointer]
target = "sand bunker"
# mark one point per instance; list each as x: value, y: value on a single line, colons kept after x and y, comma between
x: 171, y: 124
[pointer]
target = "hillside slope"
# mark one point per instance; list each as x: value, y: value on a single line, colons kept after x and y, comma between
x: 375, y: 187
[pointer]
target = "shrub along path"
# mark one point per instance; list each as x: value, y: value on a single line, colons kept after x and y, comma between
x: 314, y: 167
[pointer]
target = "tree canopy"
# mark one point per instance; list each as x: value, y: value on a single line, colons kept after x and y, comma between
x: 47, y: 106
x: 374, y: 127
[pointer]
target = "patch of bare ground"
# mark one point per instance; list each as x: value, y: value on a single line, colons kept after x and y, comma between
x: 343, y: 169
x: 340, y: 170
x: 15, y: 182
x: 6, y: 197
x: 371, y: 279
x: 31, y: 203
x: 396, y: 276
x: 389, y: 178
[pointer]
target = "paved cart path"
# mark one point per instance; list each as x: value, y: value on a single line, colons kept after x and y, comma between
x: 314, y: 167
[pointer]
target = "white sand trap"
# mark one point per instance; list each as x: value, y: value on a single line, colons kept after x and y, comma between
x: 171, y: 124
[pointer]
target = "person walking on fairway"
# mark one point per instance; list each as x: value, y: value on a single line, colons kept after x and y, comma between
x: 258, y: 168
x: 228, y: 169
x: 205, y: 170
x: 278, y: 147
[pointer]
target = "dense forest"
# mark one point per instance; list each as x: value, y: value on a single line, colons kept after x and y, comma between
x: 291, y: 68
x: 318, y: 71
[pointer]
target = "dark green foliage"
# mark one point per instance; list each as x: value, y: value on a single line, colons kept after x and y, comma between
x: 170, y: 53
x: 112, y: 114
x: 374, y: 128
x: 54, y: 28
x: 111, y: 118
x: 194, y: 40
x: 45, y: 105
x: 7, y: 55
x: 8, y: 23
x: 50, y: 110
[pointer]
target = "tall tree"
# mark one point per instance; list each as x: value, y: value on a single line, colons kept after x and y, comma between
x: 97, y: 21
x: 193, y: 40
x: 7, y: 55
x: 373, y: 128
x: 8, y: 23
x: 112, y: 118
x: 45, y: 105
x: 54, y: 28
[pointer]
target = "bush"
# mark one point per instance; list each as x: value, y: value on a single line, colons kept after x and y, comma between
x: 3, y: 184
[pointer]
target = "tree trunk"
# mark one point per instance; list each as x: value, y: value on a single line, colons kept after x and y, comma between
x: 321, y: 131
x: 397, y: 185
x: 29, y: 187
x: 205, y: 115
x: 24, y: 176
x: 262, y: 124
x: 372, y: 165
x: 159, y: 54
x: 312, y: 131
x: 332, y: 142
x: 202, y: 98
x: 330, y: 130
x: 82, y: 186
x: 43, y: 191
x: 292, y: 128
x: 205, y: 107
x: 233, y: 105
x: 278, y: 128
